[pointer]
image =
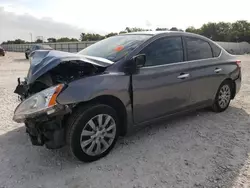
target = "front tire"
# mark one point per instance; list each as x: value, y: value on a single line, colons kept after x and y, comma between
x: 223, y: 97
x: 92, y: 132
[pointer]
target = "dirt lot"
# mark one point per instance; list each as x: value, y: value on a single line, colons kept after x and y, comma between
x: 201, y: 149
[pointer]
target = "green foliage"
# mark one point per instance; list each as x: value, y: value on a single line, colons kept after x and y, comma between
x: 135, y: 29
x: 161, y: 29
x: 51, y: 40
x: 17, y: 41
x: 110, y: 35
x: 222, y: 31
x: 66, y: 39
x: 39, y: 41
x: 91, y: 37
x: 122, y: 32
x: 174, y: 29
x: 238, y: 31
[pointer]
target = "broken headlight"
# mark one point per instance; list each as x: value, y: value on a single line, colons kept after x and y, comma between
x: 42, y: 102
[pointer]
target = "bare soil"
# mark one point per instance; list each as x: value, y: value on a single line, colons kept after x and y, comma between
x: 200, y: 149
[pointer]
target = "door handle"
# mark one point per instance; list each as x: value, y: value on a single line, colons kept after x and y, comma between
x: 183, y: 76
x: 217, y: 70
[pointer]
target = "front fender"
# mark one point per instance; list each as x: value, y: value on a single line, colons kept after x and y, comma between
x: 86, y: 89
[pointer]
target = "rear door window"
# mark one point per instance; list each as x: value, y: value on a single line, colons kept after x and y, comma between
x: 164, y: 51
x: 198, y: 49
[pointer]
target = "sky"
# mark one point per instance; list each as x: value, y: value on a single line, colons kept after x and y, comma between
x: 58, y: 18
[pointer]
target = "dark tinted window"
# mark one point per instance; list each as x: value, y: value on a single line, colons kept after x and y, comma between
x: 198, y: 49
x: 115, y: 48
x: 164, y: 51
x: 216, y: 50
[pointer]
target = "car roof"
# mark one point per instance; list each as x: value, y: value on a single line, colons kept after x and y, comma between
x: 169, y: 33
x: 151, y: 32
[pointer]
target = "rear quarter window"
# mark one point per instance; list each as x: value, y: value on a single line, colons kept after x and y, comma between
x: 216, y: 50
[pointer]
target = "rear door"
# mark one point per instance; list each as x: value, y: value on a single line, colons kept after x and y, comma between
x: 206, y: 70
x: 162, y: 86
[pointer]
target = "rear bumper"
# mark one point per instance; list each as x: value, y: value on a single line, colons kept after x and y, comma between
x: 237, y: 84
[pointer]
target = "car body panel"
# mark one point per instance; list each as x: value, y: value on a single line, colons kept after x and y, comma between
x: 107, y: 84
x: 44, y: 60
x: 35, y: 47
x: 157, y: 91
x: 113, y: 84
x: 205, y: 81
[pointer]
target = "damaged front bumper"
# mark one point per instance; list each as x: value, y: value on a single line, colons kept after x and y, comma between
x: 49, y: 133
x: 21, y: 89
x: 44, y: 126
x: 47, y: 129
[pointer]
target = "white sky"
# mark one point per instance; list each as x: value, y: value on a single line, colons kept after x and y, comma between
x: 111, y: 15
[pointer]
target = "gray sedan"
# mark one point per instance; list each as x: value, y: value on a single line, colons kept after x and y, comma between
x: 87, y: 100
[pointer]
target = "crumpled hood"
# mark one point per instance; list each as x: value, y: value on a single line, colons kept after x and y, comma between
x: 42, y: 61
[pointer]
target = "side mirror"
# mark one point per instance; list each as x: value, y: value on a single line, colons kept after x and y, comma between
x: 133, y: 65
x: 139, y: 60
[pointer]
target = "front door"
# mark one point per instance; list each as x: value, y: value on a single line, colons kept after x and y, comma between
x: 162, y: 86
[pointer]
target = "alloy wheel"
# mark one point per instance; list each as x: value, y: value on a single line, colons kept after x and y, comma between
x: 224, y: 96
x: 98, y: 134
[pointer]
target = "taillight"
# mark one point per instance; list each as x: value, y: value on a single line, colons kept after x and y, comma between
x: 238, y: 62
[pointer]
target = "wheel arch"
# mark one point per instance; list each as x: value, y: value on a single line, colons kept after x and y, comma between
x: 113, y: 102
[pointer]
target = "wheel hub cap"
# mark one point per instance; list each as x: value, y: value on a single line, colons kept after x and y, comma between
x: 224, y: 96
x: 98, y: 134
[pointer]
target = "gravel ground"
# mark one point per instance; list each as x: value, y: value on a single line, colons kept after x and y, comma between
x: 200, y: 149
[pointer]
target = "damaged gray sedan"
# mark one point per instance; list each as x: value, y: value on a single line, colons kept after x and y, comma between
x: 87, y: 100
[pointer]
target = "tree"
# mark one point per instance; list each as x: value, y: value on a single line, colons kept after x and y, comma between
x: 223, y: 30
x: 161, y: 29
x: 110, y: 35
x: 192, y: 30
x: 174, y: 29
x: 39, y: 41
x: 74, y: 40
x: 17, y: 41
x: 122, y: 32
x: 66, y: 39
x: 51, y: 40
x: 135, y: 29
x: 240, y: 31
x: 91, y: 37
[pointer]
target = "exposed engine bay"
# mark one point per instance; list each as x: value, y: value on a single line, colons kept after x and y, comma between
x: 49, y: 129
x: 63, y: 73
x: 49, y: 74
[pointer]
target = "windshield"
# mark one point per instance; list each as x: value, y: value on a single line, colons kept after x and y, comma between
x: 115, y: 48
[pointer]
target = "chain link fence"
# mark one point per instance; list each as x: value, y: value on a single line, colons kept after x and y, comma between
x: 231, y: 47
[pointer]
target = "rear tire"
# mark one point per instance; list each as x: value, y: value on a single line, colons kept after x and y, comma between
x: 92, y: 131
x: 223, y: 97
